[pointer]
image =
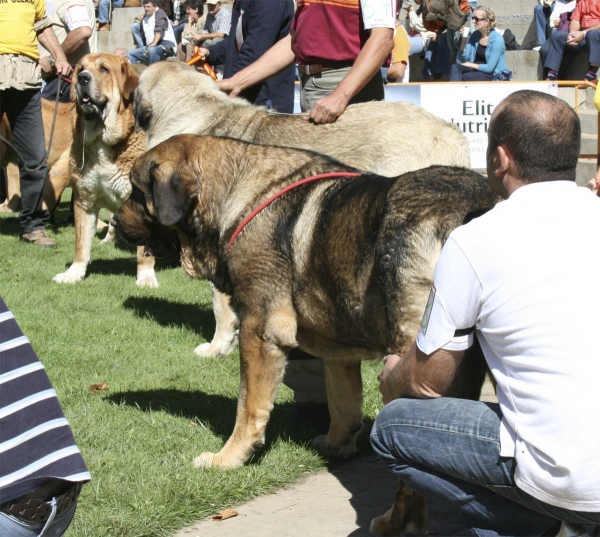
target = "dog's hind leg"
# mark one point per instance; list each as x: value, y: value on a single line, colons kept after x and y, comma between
x: 408, y: 515
x: 344, y: 398
x: 85, y: 229
x: 262, y: 361
x: 13, y: 189
x: 226, y: 331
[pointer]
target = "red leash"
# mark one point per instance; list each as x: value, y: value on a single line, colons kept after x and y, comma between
x: 268, y: 202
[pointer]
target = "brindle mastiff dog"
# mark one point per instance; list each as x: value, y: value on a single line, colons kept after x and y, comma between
x: 339, y: 267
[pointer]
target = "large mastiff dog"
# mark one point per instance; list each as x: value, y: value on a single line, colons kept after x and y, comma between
x: 104, y: 149
x: 340, y: 267
x: 384, y: 138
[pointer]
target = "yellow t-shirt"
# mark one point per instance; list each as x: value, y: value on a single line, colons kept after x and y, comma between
x: 17, y: 31
x: 401, y: 46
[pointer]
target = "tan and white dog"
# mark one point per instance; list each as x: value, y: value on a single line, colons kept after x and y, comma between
x: 103, y: 152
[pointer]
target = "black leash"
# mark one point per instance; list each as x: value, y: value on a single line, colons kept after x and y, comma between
x: 45, y: 161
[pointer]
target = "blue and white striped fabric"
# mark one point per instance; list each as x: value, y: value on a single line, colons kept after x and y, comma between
x: 36, y: 442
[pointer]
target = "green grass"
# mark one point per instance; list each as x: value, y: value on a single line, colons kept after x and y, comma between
x: 165, y: 405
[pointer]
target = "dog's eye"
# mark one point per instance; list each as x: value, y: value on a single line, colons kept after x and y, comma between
x: 103, y: 69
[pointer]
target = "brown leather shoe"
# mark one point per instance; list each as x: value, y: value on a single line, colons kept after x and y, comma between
x: 39, y: 237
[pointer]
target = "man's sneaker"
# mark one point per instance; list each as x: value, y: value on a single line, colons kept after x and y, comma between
x: 39, y: 237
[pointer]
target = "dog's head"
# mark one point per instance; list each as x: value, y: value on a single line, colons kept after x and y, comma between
x: 163, y: 194
x: 173, y: 94
x: 102, y: 86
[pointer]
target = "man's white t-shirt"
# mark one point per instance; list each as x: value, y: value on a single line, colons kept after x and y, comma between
x: 525, y: 275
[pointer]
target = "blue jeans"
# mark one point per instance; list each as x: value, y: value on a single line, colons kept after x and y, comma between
x: 12, y: 527
x: 448, y: 450
x: 553, y: 50
x: 151, y: 55
x: 416, y: 44
x: 24, y: 113
x: 541, y: 14
x: 136, y: 30
x: 460, y: 73
x: 103, y: 8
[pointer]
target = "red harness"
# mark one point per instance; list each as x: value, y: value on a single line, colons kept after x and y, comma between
x: 268, y: 202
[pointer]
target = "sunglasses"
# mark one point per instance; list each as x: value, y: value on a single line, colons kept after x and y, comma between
x: 477, y: 19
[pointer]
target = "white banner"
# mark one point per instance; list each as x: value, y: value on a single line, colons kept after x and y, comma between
x: 469, y: 106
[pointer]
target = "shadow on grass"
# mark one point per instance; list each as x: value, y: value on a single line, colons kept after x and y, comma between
x: 167, y: 313
x: 217, y: 412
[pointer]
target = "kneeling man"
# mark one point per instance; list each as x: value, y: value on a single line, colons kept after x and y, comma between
x: 513, y: 278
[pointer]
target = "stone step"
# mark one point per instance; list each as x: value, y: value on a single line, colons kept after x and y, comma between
x: 589, y: 121
x: 589, y: 144
x: 109, y: 41
x: 123, y: 17
x: 585, y: 97
x: 586, y: 169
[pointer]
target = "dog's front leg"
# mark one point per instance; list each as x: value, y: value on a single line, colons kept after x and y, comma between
x: 226, y: 331
x: 408, y: 515
x: 85, y: 229
x: 146, y: 276
x: 262, y: 364
x: 13, y: 190
x: 344, y: 398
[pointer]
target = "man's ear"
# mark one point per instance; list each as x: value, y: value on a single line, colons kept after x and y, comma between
x: 503, y: 160
x: 173, y: 198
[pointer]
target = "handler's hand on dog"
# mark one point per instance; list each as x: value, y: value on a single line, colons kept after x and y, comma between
x: 328, y: 109
x: 228, y: 85
x: 388, y: 382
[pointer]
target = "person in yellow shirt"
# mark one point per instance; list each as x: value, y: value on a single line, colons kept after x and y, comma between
x: 399, y: 60
x: 22, y: 24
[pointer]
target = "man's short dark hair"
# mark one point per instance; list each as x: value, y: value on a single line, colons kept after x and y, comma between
x: 153, y: 2
x: 195, y: 4
x: 542, y: 133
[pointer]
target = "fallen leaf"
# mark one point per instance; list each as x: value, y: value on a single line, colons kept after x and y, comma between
x: 225, y: 514
x: 99, y: 387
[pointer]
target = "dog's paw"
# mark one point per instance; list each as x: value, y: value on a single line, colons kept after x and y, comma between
x: 321, y: 445
x: 109, y: 239
x: 215, y: 349
x: 69, y: 277
x: 147, y: 279
x: 215, y: 460
x: 381, y: 526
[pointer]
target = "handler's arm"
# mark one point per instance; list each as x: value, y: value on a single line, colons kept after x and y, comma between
x: 375, y: 51
x: 76, y: 39
x: 418, y: 375
x: 48, y: 40
x: 276, y: 59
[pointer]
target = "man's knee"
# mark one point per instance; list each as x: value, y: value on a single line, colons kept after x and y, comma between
x: 559, y: 38
x: 385, y: 434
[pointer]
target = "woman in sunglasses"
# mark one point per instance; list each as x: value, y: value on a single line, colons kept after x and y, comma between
x: 482, y: 55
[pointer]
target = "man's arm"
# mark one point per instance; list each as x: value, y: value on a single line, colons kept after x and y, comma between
x: 205, y: 37
x: 375, y: 51
x: 47, y: 39
x: 276, y: 59
x: 418, y: 375
x: 161, y: 24
x: 75, y: 40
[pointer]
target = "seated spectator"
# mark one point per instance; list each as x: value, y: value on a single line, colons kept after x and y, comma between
x: 419, y: 36
x: 158, y: 39
x: 482, y: 55
x: 217, y: 25
x: 103, y: 7
x: 582, y: 33
x: 195, y: 22
x: 437, y: 53
x: 136, y: 27
x: 553, y: 20
x: 178, y: 18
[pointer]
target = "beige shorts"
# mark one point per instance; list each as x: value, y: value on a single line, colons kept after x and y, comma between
x: 19, y: 72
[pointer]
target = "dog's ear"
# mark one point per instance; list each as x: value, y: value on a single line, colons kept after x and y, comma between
x: 73, y: 91
x: 131, y: 80
x: 172, y: 195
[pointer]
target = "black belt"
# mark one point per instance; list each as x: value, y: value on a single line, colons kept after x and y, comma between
x: 28, y: 509
x: 311, y: 69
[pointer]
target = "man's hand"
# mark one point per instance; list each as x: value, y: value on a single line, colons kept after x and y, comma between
x: 62, y: 67
x: 229, y: 86
x: 575, y: 37
x: 328, y: 109
x: 45, y: 65
x: 197, y: 38
x: 388, y: 378
x: 204, y: 52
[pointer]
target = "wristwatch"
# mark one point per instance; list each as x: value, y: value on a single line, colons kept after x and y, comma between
x: 584, y: 33
x: 52, y: 61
